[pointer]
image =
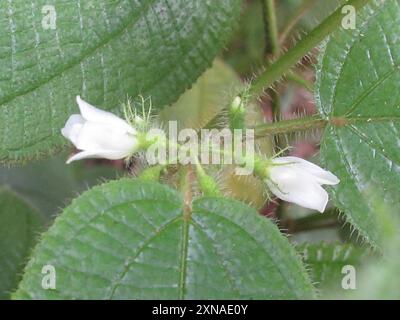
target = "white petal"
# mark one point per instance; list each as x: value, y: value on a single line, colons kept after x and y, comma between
x: 322, y: 176
x: 94, y: 136
x: 292, y: 185
x: 106, y: 154
x: 73, y: 127
x: 94, y: 114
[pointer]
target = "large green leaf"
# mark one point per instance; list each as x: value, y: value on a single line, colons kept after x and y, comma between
x: 102, y: 50
x: 357, y: 91
x: 133, y: 239
x: 19, y: 227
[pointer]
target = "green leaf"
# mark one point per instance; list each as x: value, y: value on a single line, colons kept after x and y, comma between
x: 102, y: 50
x: 49, y: 185
x: 357, y: 91
x: 198, y: 106
x: 326, y: 261
x: 19, y: 225
x: 132, y: 239
x: 41, y: 187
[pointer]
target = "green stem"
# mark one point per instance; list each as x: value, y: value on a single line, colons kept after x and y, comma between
x: 185, y: 186
x: 273, y: 50
x: 275, y: 104
x: 295, y: 18
x: 288, y: 126
x: 271, y: 27
x: 278, y: 69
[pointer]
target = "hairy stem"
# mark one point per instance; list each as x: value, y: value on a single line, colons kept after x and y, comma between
x: 185, y: 187
x: 278, y: 69
x: 271, y: 27
x: 288, y: 126
x: 272, y: 49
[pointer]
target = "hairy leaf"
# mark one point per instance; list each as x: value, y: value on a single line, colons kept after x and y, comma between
x: 357, y: 91
x: 132, y: 239
x: 103, y: 50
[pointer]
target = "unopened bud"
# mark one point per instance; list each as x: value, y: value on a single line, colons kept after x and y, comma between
x: 207, y: 184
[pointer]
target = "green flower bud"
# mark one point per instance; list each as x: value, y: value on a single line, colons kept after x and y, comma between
x: 237, y: 114
x: 151, y: 173
x: 207, y: 184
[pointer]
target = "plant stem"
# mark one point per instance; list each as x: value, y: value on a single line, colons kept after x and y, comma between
x: 295, y: 18
x: 287, y: 126
x: 275, y: 105
x: 185, y: 187
x: 275, y: 71
x: 271, y: 27
x: 272, y: 48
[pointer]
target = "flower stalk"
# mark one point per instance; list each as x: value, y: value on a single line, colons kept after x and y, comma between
x: 289, y: 126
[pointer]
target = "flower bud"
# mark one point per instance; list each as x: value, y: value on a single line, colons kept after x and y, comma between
x: 207, y: 184
x: 152, y: 173
x: 237, y: 114
x: 236, y: 104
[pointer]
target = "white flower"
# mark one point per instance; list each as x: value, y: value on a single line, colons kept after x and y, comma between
x: 99, y: 134
x: 296, y: 180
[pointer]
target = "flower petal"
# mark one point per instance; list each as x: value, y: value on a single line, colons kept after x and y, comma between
x: 73, y: 127
x: 93, y: 114
x: 95, y: 154
x: 291, y: 184
x: 322, y: 176
x: 95, y: 136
